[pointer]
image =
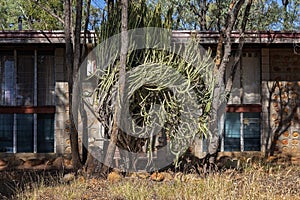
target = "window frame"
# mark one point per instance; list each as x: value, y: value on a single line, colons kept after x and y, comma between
x: 241, y: 109
x: 34, y: 109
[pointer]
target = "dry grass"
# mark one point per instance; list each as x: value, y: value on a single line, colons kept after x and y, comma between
x: 253, y: 182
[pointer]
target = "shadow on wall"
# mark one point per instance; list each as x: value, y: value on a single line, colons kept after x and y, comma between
x: 283, y: 113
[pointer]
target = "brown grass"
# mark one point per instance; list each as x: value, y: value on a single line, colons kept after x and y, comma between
x: 253, y: 182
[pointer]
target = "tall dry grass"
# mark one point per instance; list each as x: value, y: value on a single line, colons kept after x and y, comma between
x: 251, y: 182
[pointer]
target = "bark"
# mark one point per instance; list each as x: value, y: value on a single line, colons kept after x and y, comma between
x: 238, y: 54
x: 122, y: 71
x: 73, y: 54
x: 83, y: 114
x: 219, y: 103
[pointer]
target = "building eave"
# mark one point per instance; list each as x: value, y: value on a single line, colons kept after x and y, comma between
x: 262, y: 37
x: 207, y: 37
x: 38, y: 37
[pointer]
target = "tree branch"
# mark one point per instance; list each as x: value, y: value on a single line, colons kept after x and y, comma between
x: 50, y: 12
x: 233, y: 69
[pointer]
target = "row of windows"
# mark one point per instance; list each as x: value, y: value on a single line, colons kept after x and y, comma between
x: 20, y: 133
x: 27, y: 78
x: 26, y: 81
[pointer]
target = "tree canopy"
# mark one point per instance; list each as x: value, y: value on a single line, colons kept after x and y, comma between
x: 184, y: 14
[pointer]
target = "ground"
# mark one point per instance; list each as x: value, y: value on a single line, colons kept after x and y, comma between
x: 253, y: 180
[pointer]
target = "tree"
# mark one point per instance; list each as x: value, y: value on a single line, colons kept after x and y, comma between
x: 122, y: 72
x: 211, y: 14
x: 35, y: 16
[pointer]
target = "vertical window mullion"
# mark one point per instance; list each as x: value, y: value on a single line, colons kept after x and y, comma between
x: 242, y: 131
x: 15, y: 133
x: 14, y: 103
x: 35, y: 103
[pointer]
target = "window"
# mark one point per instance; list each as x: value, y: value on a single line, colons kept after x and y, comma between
x: 27, y: 101
x: 242, y: 123
x: 242, y: 132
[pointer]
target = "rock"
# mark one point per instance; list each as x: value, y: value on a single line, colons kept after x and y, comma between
x: 68, y: 164
x: 3, y: 163
x: 58, y: 163
x: 16, y: 162
x: 68, y: 178
x: 2, y: 168
x: 114, y: 177
x: 156, y: 176
x: 32, y: 162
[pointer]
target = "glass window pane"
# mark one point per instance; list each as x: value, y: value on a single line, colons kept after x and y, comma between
x: 232, y: 132
x: 25, y: 78
x: 7, y: 79
x: 24, y: 133
x: 251, y: 78
x: 45, y: 134
x: 251, y: 128
x: 45, y: 78
x: 6, y: 132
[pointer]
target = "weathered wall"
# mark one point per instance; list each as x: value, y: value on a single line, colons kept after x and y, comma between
x: 280, y: 100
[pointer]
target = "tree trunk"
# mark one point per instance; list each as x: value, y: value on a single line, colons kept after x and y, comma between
x: 83, y: 113
x: 122, y: 72
x: 73, y: 63
x: 219, y: 101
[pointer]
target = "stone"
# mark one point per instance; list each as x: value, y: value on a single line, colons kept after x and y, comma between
x: 156, y: 176
x: 68, y: 163
x: 114, y: 177
x: 67, y: 178
x: 32, y: 162
x: 3, y: 163
x: 58, y: 163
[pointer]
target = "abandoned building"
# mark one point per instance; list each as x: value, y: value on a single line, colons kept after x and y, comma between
x: 265, y: 99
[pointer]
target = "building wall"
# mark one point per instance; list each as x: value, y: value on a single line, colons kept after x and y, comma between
x: 62, y: 141
x: 280, y: 100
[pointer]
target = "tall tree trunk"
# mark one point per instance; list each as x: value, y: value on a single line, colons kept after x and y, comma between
x: 219, y: 101
x: 73, y: 62
x: 122, y: 72
x: 83, y: 113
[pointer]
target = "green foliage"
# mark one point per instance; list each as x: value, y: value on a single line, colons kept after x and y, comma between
x: 33, y: 16
x: 264, y: 14
x: 167, y: 78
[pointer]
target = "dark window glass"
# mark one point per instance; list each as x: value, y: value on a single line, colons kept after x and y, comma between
x: 251, y: 129
x: 232, y: 139
x: 25, y: 79
x: 45, y: 136
x: 24, y: 133
x: 45, y: 79
x: 6, y: 132
x: 7, y: 78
